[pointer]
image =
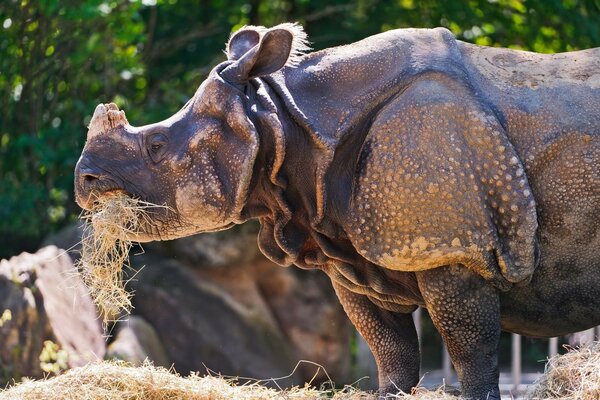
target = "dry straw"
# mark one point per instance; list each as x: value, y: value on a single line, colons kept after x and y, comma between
x: 574, y: 376
x: 109, y: 380
x: 108, y: 230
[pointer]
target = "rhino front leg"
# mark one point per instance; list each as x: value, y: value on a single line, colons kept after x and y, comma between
x: 391, y: 337
x: 465, y: 309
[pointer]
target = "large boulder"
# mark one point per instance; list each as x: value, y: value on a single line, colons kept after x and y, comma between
x: 50, y: 321
x: 216, y: 250
x: 255, y: 320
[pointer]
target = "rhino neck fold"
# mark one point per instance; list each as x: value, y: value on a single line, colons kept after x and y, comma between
x: 287, y: 193
x: 284, y: 198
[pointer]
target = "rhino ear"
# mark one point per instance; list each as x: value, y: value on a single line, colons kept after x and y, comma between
x: 241, y: 42
x: 268, y: 56
x: 257, y: 51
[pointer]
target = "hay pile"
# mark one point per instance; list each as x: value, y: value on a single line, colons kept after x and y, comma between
x: 106, y: 242
x: 574, y: 375
x: 118, y: 381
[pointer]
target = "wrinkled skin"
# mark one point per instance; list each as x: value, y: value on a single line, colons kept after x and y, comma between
x: 413, y: 169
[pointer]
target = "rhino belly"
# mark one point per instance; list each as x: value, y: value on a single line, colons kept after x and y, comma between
x: 561, y: 298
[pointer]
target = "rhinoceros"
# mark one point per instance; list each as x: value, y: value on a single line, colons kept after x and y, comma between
x: 415, y: 170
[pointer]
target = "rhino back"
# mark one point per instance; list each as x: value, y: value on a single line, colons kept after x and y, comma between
x: 336, y: 88
x: 537, y: 97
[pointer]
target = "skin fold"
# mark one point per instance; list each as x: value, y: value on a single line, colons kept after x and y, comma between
x: 411, y: 168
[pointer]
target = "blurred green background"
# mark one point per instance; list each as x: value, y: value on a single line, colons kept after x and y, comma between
x: 58, y: 59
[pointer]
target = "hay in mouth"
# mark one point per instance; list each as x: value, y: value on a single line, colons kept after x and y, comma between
x: 109, y: 228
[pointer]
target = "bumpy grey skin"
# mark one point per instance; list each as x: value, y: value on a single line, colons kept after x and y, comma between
x: 413, y: 169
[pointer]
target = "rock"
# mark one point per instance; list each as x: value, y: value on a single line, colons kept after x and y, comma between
x: 68, y: 238
x: 309, y: 315
x: 19, y: 354
x: 202, y: 326
x: 135, y: 341
x: 235, y: 320
x: 47, y: 302
x: 215, y: 250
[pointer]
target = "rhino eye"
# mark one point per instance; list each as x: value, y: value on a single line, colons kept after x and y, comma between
x: 157, y: 146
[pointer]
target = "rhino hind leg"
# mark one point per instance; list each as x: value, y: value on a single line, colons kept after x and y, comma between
x: 465, y: 309
x: 392, y: 338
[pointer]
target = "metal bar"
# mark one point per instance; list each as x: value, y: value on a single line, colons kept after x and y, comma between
x: 447, y: 365
x: 516, y: 361
x: 417, y: 318
x: 553, y: 347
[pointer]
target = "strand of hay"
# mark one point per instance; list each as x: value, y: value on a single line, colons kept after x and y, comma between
x: 106, y: 242
x: 574, y: 375
x: 115, y: 380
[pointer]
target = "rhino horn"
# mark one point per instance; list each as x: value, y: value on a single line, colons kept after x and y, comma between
x: 105, y: 118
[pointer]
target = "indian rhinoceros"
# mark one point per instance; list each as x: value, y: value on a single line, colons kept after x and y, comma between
x: 412, y: 168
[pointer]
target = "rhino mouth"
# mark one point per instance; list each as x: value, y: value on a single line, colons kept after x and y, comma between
x: 153, y: 220
x: 90, y: 202
x: 135, y: 219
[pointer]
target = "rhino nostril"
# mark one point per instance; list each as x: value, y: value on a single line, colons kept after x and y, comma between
x: 89, y: 178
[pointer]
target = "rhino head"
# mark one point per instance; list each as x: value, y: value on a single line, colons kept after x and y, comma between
x: 199, y: 162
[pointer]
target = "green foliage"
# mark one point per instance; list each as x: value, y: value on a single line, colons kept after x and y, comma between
x: 5, y: 317
x: 53, y: 359
x: 60, y: 58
